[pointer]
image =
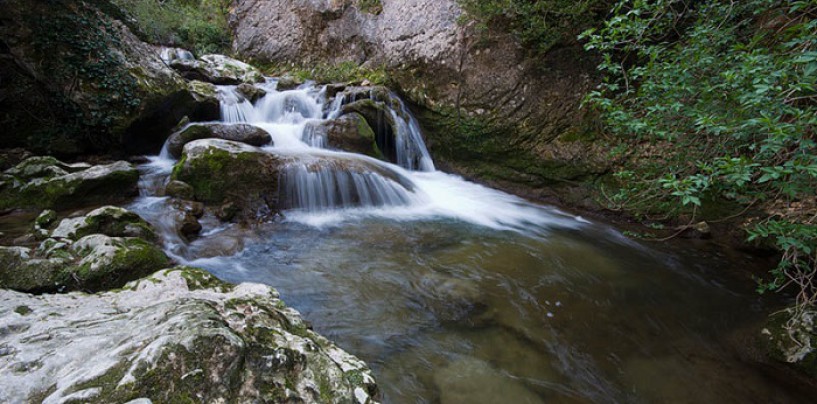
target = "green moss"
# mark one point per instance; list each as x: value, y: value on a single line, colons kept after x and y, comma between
x: 344, y: 72
x: 23, y: 310
x: 370, y: 6
x: 133, y: 259
x: 200, y: 279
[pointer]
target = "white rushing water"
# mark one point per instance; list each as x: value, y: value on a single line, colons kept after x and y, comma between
x: 323, y: 187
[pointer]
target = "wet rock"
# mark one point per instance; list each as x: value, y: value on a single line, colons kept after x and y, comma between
x: 223, y: 171
x: 218, y: 246
x: 205, y: 96
x: 378, y: 115
x: 700, y: 230
x: 251, y: 92
x: 288, y: 83
x: 217, y: 69
x: 44, y: 182
x: 469, y: 380
x: 249, y: 134
x: 227, y: 211
x: 178, y: 189
x: 450, y: 298
x: 349, y: 133
x: 189, y: 227
x: 108, y: 220
x: 196, y: 209
x: 180, y: 335
x: 791, y: 337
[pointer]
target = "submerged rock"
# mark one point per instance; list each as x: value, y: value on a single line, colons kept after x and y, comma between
x: 45, y: 182
x: 349, y: 133
x: 178, y: 336
x: 470, y: 380
x: 217, y: 69
x: 249, y: 134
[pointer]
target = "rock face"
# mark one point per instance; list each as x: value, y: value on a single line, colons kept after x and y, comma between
x: 248, y: 134
x: 178, y: 336
x: 488, y: 110
x: 78, y: 80
x: 45, y: 182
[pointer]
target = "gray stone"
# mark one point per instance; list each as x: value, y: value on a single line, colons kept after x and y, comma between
x: 179, y: 335
x: 249, y: 134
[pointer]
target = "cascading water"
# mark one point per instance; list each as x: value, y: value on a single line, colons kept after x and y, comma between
x: 446, y: 308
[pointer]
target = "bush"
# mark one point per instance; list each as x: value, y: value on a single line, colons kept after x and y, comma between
x: 197, y: 25
x: 540, y: 24
x: 729, y: 91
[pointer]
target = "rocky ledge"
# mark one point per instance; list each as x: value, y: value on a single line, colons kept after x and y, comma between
x: 179, y: 335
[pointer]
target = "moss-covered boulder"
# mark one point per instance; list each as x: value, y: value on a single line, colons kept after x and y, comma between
x: 790, y: 337
x: 223, y: 171
x: 288, y: 82
x: 249, y: 134
x: 108, y: 220
x: 349, y: 133
x: 178, y: 336
x: 96, y: 262
x: 205, y: 96
x: 217, y: 69
x: 44, y: 182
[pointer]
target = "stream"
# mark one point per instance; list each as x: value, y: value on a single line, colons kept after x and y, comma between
x: 458, y: 293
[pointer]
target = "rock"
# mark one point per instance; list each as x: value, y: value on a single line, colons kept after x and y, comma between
x: 108, y: 220
x: 196, y: 209
x: 43, y: 222
x: 381, y: 121
x: 178, y: 336
x: 178, y: 189
x: 96, y: 262
x: 469, y: 380
x: 217, y: 69
x: 349, y: 133
x: 189, y: 227
x: 44, y: 182
x: 205, y: 95
x: 222, y: 171
x: 288, y: 83
x: 249, y: 134
x: 251, y: 92
x: 450, y: 298
x: 790, y: 337
x: 227, y: 211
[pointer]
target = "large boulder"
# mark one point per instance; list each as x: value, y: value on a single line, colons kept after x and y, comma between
x: 790, y: 337
x: 44, y: 182
x: 244, y: 133
x: 217, y: 69
x: 350, y: 132
x: 96, y: 262
x: 226, y: 171
x: 178, y: 336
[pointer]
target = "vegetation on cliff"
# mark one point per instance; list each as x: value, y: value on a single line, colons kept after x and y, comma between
x: 728, y: 91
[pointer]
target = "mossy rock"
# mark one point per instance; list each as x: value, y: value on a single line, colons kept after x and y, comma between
x: 790, y: 337
x: 111, y: 221
x: 222, y: 171
x: 40, y: 185
x: 350, y: 133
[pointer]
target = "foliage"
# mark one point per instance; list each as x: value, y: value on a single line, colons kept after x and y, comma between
x: 343, y: 72
x: 537, y: 24
x: 370, y: 6
x: 728, y: 92
x: 198, y: 25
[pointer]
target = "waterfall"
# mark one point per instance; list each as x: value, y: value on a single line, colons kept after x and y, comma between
x: 327, y: 185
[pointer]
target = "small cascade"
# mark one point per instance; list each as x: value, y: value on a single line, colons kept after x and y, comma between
x: 326, y: 184
x: 234, y: 106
